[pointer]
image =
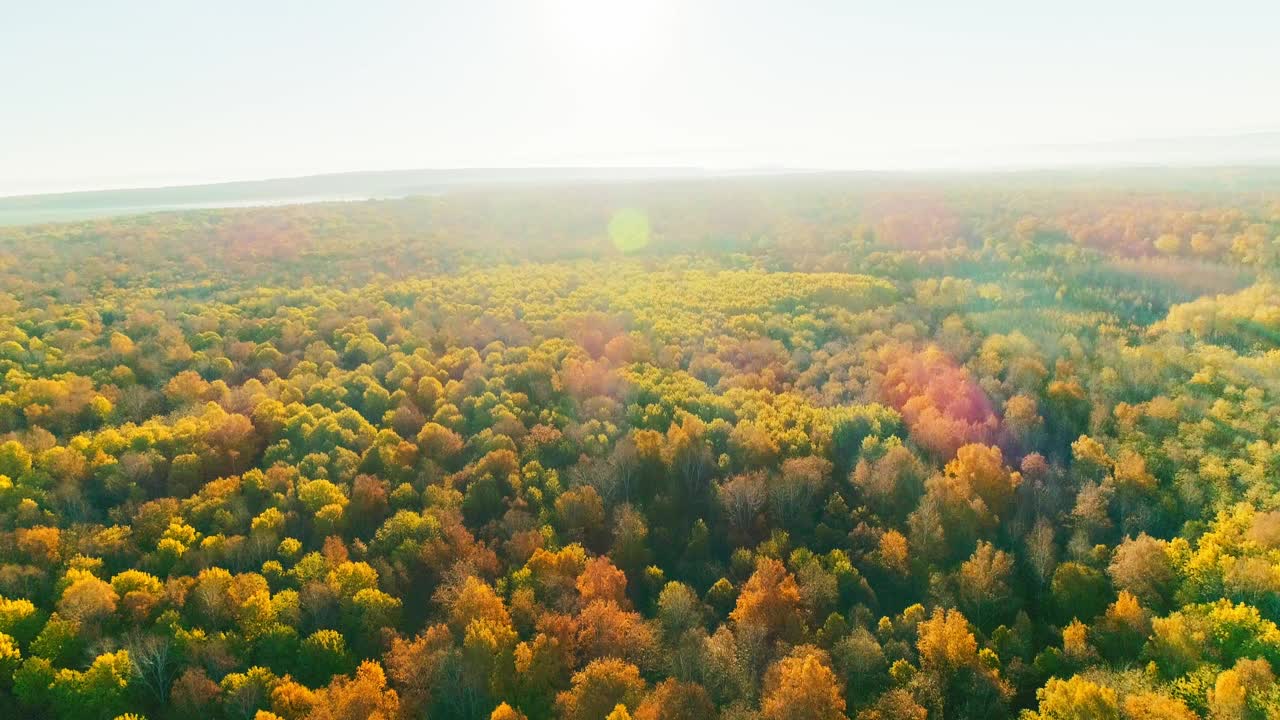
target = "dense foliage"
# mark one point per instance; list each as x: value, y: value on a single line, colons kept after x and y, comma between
x: 807, y: 448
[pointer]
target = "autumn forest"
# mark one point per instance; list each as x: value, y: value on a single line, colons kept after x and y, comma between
x: 816, y: 447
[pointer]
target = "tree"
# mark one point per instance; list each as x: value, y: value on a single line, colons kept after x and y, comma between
x: 20, y: 619
x: 802, y: 687
x: 1168, y: 243
x: 605, y: 629
x: 945, y: 642
x: 10, y: 659
x: 672, y: 699
x: 600, y: 580
x: 1076, y: 699
x: 246, y: 693
x: 742, y: 498
x: 1023, y: 421
x: 967, y: 681
x: 369, y: 504
x: 1220, y: 633
x: 599, y: 688
x: 1075, y: 644
x: 365, y: 696
x: 793, y: 494
x: 1079, y: 591
x: 679, y: 610
x: 193, y: 692
x: 323, y: 655
x: 1242, y: 692
x: 861, y: 660
x: 580, y: 512
x: 982, y: 468
x: 1042, y: 551
x: 1152, y: 706
x: 984, y: 584
x: 630, y: 549
x: 1142, y: 566
x: 897, y: 704
x: 60, y: 641
x: 506, y: 712
x: 370, y: 610
x: 891, y: 484
x: 770, y: 600
x: 154, y: 664
x: 86, y: 598
x: 439, y: 443
x: 100, y: 691
x: 40, y: 544
x: 290, y: 699
x: 476, y: 601
x: 15, y: 459
x: 1123, y: 629
x: 415, y: 666
x: 32, y: 682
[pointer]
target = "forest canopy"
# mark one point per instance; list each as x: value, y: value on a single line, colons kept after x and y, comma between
x: 760, y: 448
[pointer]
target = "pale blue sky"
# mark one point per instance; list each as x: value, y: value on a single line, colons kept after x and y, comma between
x: 101, y: 93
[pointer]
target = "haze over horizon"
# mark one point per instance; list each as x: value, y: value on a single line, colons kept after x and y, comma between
x: 640, y: 360
x: 145, y: 93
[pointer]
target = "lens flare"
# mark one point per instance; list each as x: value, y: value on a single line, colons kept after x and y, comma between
x: 629, y: 230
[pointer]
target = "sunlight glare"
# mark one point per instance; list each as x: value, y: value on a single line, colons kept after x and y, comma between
x: 629, y: 230
x: 607, y: 36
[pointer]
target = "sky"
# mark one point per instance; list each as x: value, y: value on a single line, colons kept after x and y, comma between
x: 120, y: 93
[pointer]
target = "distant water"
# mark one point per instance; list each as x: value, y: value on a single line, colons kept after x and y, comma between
x: 261, y: 202
x: 37, y: 215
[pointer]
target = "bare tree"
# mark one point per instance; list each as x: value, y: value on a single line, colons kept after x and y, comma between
x: 153, y: 662
x: 742, y: 499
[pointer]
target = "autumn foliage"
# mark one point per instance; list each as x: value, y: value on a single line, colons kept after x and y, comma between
x: 826, y: 447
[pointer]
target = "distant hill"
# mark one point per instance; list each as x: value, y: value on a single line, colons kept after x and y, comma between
x: 30, y: 209
x: 1252, y: 149
x: 1234, y: 163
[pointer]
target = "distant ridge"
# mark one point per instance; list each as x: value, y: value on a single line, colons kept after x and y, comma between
x: 360, y: 185
x: 1247, y: 159
x: 1242, y: 149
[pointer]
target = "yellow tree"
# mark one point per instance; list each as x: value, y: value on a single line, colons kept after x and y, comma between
x: 602, y: 581
x: 506, y: 712
x: 476, y: 600
x: 1076, y: 699
x: 802, y: 687
x: 945, y: 642
x: 599, y: 688
x: 770, y: 599
x: 1231, y: 694
x: 1150, y: 706
x: 675, y: 700
x: 365, y: 696
x: 982, y: 469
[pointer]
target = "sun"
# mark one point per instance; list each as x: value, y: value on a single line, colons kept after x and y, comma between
x: 607, y: 35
